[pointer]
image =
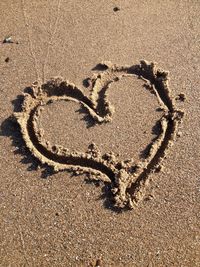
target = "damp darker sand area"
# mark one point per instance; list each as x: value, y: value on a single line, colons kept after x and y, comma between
x: 99, y: 137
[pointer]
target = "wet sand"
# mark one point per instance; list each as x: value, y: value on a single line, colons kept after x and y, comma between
x: 101, y: 166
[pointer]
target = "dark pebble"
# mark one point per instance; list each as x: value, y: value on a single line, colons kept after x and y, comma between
x: 115, y: 9
x: 7, y: 59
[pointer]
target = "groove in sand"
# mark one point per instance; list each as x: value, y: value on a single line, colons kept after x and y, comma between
x: 128, y: 180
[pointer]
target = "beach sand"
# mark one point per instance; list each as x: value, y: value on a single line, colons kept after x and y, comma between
x: 108, y: 199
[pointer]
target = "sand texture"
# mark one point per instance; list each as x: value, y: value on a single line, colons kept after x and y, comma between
x: 100, y: 133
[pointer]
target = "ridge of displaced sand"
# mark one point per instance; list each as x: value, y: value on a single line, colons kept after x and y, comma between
x: 128, y: 180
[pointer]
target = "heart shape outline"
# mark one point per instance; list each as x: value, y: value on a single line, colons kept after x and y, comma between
x: 128, y: 181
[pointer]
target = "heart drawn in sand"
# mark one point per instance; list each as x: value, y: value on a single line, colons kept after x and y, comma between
x: 128, y: 180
